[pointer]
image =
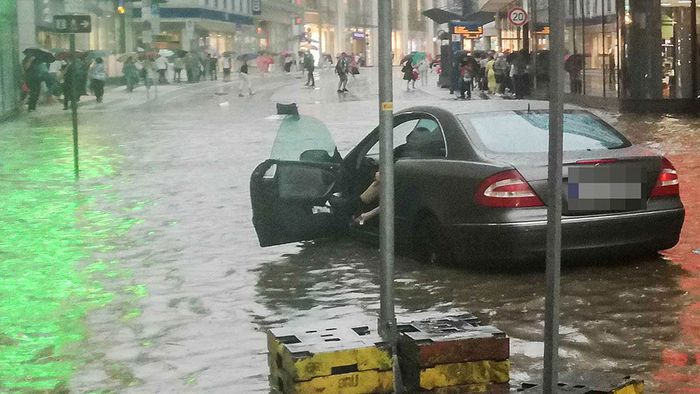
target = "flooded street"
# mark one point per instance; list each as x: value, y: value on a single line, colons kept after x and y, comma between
x: 146, y: 276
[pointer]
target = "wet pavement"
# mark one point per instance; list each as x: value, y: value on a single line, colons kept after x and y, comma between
x: 146, y: 275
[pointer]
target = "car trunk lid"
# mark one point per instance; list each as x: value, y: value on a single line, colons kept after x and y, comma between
x: 594, y: 181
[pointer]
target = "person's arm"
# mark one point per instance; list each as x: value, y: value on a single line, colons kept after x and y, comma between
x: 362, y: 218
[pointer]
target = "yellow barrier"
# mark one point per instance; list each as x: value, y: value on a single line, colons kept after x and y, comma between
x: 347, y: 383
x: 329, y: 360
x: 446, y: 375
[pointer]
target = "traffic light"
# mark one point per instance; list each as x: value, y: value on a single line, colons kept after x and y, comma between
x: 121, y: 9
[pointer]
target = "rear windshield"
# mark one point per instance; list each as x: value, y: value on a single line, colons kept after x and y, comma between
x: 528, y: 131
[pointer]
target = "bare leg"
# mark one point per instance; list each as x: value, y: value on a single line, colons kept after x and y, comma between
x: 371, y: 193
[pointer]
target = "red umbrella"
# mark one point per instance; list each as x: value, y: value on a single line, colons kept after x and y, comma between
x: 263, y: 62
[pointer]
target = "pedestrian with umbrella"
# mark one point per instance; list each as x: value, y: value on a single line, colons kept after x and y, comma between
x: 213, y: 63
x: 341, y: 68
x: 40, y: 55
x: 149, y: 73
x: 131, y: 74
x: 161, y: 65
x: 178, y: 65
x: 263, y: 62
x: 227, y: 63
x: 32, y: 80
x: 98, y: 75
x: 288, y: 61
x: 309, y: 67
x: 407, y: 71
x: 573, y: 65
x: 243, y: 78
x: 70, y: 74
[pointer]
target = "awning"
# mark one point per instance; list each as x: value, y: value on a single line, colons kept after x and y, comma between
x: 440, y: 16
x: 480, y: 18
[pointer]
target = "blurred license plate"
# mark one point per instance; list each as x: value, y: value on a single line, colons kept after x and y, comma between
x: 605, y: 188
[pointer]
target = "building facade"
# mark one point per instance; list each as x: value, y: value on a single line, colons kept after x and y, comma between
x: 212, y: 25
x: 351, y: 26
x: 641, y: 55
x: 9, y: 59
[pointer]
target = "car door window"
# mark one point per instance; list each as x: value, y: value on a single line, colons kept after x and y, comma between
x: 304, y: 139
x: 401, y: 131
x: 426, y: 140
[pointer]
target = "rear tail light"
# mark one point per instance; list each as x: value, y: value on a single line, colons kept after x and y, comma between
x: 667, y: 182
x: 507, y: 189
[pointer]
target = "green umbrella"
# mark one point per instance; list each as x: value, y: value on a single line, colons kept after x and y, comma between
x: 94, y: 54
x: 417, y: 57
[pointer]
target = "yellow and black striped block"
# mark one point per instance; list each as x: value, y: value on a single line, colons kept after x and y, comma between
x: 371, y: 381
x: 451, y: 351
x: 329, y: 360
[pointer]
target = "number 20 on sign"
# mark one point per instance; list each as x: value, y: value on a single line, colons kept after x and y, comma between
x: 517, y: 16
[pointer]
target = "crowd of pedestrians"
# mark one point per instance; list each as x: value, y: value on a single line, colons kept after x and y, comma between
x: 493, y: 73
x: 62, y: 79
x: 497, y: 74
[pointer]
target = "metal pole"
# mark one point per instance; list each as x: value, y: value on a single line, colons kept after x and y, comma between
x: 122, y: 33
x: 583, y: 48
x: 320, y: 37
x: 533, y: 41
x: 605, y: 54
x: 554, y: 206
x: 387, y: 318
x: 74, y: 104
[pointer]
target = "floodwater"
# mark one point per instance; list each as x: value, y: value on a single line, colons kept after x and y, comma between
x: 146, y: 275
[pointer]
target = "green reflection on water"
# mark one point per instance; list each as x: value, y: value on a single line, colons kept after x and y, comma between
x: 49, y: 226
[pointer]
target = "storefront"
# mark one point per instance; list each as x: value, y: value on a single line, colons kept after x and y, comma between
x: 642, y: 52
x: 640, y: 55
x: 105, y: 24
x: 316, y: 40
x: 466, y: 36
x: 200, y: 28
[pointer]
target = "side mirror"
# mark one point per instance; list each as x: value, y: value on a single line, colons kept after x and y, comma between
x: 316, y: 155
x: 287, y: 109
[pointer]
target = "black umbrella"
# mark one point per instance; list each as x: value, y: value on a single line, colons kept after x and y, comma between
x: 41, y: 55
x: 574, y: 63
x: 247, y: 56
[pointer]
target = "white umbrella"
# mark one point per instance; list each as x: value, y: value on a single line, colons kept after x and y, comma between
x: 166, y: 52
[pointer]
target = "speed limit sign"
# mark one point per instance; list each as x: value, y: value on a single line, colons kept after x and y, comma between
x: 517, y: 16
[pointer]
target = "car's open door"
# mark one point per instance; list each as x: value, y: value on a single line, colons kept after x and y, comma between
x: 289, y: 192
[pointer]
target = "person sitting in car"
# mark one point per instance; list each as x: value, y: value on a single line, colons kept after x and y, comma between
x: 369, y: 196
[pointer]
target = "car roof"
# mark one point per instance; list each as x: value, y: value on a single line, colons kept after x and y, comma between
x: 459, y: 107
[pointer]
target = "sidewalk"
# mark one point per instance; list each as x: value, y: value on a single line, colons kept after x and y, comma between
x: 117, y: 98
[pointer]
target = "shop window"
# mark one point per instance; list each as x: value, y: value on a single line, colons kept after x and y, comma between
x: 697, y: 51
x: 676, y: 49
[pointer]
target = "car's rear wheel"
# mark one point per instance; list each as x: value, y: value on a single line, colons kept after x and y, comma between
x: 431, y: 245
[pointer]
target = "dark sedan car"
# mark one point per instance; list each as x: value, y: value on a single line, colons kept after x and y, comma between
x: 471, y: 184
